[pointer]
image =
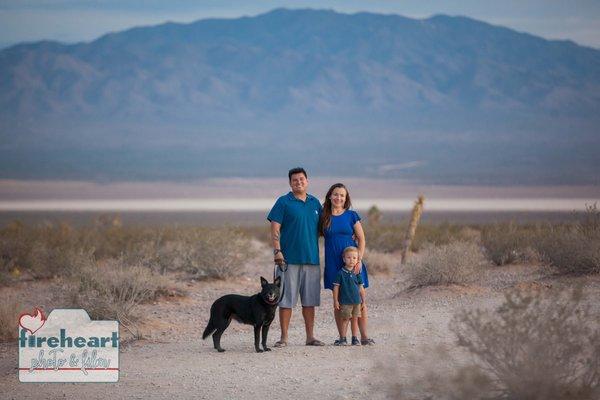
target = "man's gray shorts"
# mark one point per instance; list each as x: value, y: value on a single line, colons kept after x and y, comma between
x: 301, y: 279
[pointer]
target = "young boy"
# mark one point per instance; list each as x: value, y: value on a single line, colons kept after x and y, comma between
x: 348, y: 296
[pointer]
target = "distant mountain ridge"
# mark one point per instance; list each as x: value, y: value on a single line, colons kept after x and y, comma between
x: 441, y: 99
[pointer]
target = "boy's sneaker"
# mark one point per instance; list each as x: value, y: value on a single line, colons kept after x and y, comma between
x: 355, y: 341
x: 341, y: 342
x: 367, y: 342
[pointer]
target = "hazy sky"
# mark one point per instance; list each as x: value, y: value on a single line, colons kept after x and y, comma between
x: 84, y: 20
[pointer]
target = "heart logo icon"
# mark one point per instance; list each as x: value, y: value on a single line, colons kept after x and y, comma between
x: 32, y: 322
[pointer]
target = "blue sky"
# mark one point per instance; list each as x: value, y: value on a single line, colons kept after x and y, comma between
x: 73, y: 21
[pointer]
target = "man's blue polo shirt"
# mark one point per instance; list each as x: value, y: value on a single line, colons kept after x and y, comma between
x: 299, y: 228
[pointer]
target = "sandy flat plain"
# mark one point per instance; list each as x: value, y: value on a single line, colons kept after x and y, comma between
x: 171, y: 361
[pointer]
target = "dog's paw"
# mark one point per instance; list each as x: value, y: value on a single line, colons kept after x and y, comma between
x: 267, y: 349
x: 259, y: 351
x: 221, y: 350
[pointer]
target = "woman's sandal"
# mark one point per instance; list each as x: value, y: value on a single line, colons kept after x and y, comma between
x: 280, y: 343
x: 315, y: 342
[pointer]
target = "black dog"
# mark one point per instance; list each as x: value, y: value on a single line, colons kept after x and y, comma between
x: 257, y: 310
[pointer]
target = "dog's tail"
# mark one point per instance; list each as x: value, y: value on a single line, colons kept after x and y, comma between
x: 210, y: 328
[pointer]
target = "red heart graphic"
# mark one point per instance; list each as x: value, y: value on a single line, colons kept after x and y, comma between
x: 32, y: 322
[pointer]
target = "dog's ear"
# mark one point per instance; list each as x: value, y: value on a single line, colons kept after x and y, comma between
x: 263, y: 281
x: 277, y: 281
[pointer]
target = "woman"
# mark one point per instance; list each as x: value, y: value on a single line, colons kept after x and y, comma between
x: 340, y: 226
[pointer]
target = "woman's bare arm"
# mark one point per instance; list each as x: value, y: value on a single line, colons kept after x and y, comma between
x: 336, y: 291
x: 361, y: 242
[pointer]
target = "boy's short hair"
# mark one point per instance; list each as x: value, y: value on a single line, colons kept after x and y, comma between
x: 349, y: 249
x: 297, y: 170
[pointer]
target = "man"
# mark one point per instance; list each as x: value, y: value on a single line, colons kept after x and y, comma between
x: 294, y: 232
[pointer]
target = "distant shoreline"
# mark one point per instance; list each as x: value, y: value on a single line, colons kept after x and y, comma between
x: 245, y: 201
x: 263, y: 204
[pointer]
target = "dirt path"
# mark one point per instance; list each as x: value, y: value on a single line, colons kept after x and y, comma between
x: 173, y: 362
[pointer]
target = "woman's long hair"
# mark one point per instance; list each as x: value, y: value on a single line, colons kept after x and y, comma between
x: 325, y: 221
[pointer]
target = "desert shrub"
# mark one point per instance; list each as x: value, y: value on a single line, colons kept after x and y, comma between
x: 509, y: 243
x: 262, y: 233
x: 534, y: 346
x: 570, y: 251
x: 51, y: 250
x: 381, y: 263
x: 455, y: 262
x: 220, y: 253
x: 428, y: 380
x: 572, y: 248
x: 441, y: 234
x: 537, y: 345
x: 576, y: 248
x: 216, y: 253
x: 116, y: 241
x: 13, y: 249
x: 9, y: 316
x: 390, y: 237
x: 113, y: 289
x: 374, y: 215
x: 200, y: 252
x: 589, y: 223
x: 43, y: 251
x: 46, y: 261
x: 384, y: 238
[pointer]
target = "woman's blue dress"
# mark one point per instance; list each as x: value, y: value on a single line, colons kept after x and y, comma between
x: 337, y: 237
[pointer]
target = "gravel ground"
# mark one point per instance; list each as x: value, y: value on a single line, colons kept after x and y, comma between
x: 172, y: 361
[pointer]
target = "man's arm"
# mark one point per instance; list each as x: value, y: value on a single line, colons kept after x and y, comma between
x: 275, y: 234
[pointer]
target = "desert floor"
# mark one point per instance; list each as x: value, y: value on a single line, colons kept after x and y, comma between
x: 172, y: 361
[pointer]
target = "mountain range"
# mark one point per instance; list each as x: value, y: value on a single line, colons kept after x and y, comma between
x: 443, y: 99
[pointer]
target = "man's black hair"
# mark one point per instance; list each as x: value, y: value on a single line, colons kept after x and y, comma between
x: 297, y: 170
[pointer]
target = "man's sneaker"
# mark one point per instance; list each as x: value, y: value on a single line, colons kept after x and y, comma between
x: 341, y: 342
x: 355, y: 341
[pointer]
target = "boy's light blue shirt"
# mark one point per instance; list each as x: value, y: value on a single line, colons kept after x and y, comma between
x: 299, y: 228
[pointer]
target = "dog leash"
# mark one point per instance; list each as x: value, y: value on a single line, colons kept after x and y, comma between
x: 282, y: 268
